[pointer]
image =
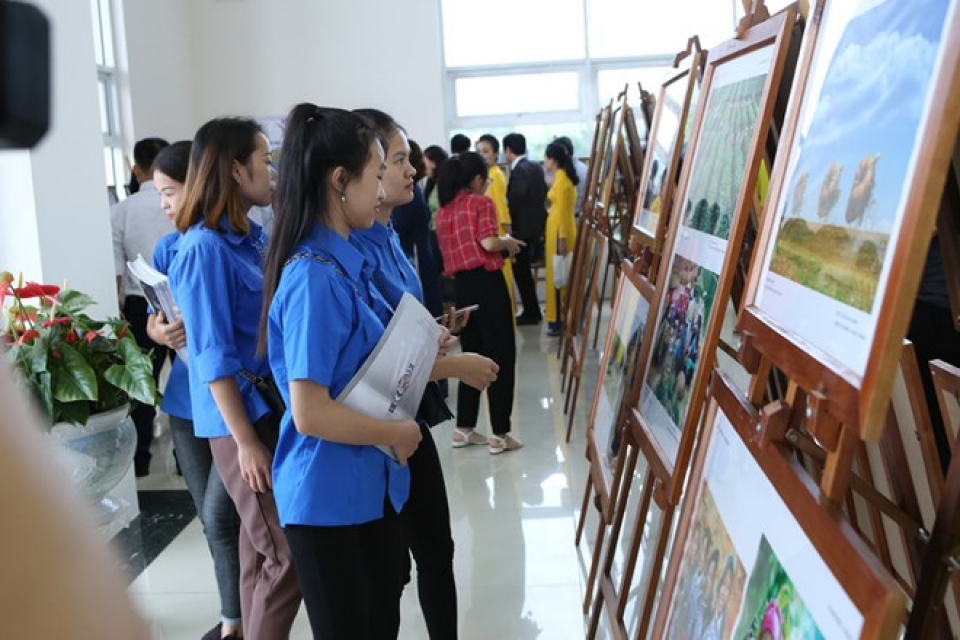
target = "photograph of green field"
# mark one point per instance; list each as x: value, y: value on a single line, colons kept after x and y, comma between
x: 722, y: 154
x: 843, y: 263
x: 844, y: 191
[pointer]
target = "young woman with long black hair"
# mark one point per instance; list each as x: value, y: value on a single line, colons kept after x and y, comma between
x: 217, y: 280
x: 339, y: 495
x: 427, y: 514
x: 471, y: 246
x: 221, y: 525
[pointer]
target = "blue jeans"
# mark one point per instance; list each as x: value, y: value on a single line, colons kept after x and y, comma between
x: 216, y: 511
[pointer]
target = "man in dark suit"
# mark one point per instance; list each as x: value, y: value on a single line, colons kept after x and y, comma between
x: 526, y: 197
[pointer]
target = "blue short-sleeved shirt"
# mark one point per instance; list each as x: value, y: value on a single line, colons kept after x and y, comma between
x: 217, y: 280
x: 322, y: 326
x: 176, y: 395
x: 391, y: 270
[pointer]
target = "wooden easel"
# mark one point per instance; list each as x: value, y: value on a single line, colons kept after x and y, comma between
x: 606, y: 440
x: 667, y: 469
x: 763, y: 467
x: 943, y: 552
x: 658, y: 176
x: 844, y: 406
x: 575, y: 350
x: 588, y: 221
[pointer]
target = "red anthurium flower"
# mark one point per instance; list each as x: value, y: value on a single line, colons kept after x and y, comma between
x: 54, y: 321
x: 91, y: 336
x: 35, y: 290
x: 28, y: 337
x: 72, y: 337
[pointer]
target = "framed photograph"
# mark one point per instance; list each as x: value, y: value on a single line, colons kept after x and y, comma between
x: 593, y: 164
x: 709, y: 217
x: 851, y: 209
x: 599, y: 160
x: 670, y: 132
x: 622, y: 348
x: 757, y: 556
x: 608, y: 168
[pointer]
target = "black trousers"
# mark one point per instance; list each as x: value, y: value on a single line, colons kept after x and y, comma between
x: 426, y: 520
x: 523, y: 276
x: 135, y: 312
x: 933, y: 336
x: 490, y: 333
x: 351, y: 577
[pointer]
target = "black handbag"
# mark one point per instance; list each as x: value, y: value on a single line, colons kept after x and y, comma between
x: 433, y: 408
x: 267, y: 388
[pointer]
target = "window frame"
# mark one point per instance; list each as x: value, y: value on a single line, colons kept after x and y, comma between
x: 587, y: 68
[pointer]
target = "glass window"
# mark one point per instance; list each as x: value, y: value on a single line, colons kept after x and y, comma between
x: 520, y: 93
x: 106, y: 33
x: 619, y: 28
x: 610, y: 82
x: 97, y: 38
x: 511, y: 32
x: 104, y: 114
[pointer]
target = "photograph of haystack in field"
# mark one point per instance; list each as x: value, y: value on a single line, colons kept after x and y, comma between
x: 845, y: 190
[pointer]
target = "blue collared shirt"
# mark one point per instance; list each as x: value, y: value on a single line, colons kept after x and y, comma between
x: 217, y: 280
x: 391, y: 271
x: 176, y: 395
x: 322, y: 326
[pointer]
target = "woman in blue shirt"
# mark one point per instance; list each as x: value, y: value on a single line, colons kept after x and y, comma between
x: 221, y: 525
x: 217, y: 280
x: 427, y: 514
x: 338, y: 495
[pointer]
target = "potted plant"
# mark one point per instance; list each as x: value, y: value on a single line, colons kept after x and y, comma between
x: 84, y: 373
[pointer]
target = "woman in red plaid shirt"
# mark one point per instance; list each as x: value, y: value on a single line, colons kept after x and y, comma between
x: 473, y: 255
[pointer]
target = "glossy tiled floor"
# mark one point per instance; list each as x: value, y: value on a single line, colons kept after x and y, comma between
x: 519, y: 574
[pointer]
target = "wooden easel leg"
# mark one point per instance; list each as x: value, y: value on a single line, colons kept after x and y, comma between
x: 836, y: 471
x: 594, y: 565
x: 573, y: 407
x: 661, y: 552
x: 603, y: 287
x: 566, y: 398
x: 636, y: 541
x: 587, y: 492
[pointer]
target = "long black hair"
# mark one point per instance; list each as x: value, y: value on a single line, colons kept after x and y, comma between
x: 316, y: 140
x: 557, y: 151
x: 457, y: 173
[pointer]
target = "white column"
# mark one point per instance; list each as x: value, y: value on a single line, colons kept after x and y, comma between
x: 54, y: 212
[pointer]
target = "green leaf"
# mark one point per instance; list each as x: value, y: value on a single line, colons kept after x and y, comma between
x: 34, y: 356
x: 43, y: 389
x: 73, y: 302
x: 135, y: 375
x: 76, y: 412
x: 73, y: 378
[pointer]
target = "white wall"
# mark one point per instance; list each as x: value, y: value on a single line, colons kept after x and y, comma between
x: 54, y: 214
x: 260, y: 57
x: 159, y: 73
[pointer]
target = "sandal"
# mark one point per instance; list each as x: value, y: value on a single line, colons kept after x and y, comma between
x: 466, y: 437
x: 499, y: 444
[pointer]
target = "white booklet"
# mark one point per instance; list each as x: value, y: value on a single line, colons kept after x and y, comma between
x: 394, y: 376
x: 156, y: 289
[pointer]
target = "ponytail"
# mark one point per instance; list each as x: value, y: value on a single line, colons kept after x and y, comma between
x: 316, y: 141
x: 457, y: 173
